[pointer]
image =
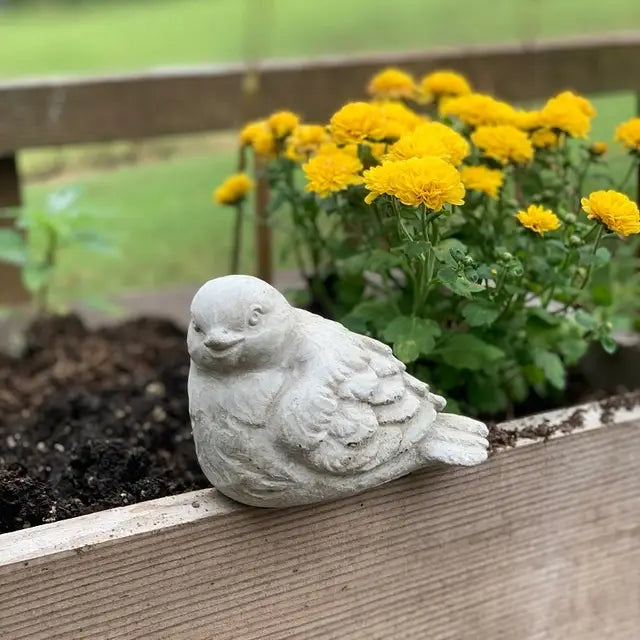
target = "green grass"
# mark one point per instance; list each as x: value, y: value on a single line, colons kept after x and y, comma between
x: 161, y: 214
x: 116, y: 35
x: 162, y: 219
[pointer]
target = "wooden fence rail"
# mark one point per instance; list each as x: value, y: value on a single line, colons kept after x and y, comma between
x: 59, y: 111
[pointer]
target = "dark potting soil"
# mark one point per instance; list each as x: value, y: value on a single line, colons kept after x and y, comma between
x: 94, y: 419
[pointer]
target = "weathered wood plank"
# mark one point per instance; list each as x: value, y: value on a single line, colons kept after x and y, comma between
x: 542, y: 541
x: 68, y: 111
x: 12, y: 290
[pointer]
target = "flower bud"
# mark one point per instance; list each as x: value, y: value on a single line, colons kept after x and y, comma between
x: 570, y: 218
x: 506, y: 256
x: 575, y: 241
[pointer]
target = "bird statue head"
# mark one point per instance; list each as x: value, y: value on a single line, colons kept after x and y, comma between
x: 238, y: 323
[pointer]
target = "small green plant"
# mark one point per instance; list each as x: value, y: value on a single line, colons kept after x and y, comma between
x: 40, y: 234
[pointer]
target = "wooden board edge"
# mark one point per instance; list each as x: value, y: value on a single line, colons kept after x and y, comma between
x: 113, y: 525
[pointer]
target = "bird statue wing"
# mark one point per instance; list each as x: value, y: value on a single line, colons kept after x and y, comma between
x: 355, y: 406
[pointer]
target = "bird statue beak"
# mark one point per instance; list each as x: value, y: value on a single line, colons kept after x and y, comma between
x: 221, y: 342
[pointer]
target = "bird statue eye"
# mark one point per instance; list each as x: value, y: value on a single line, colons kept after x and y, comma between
x: 254, y: 316
x: 197, y: 328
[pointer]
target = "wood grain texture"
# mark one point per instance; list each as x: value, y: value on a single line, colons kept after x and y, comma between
x: 542, y: 542
x: 12, y: 290
x: 70, y: 110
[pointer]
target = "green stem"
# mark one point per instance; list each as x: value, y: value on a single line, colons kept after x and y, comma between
x: 237, y: 240
x: 627, y: 175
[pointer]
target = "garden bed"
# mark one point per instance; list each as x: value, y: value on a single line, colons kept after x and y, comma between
x: 94, y: 419
x: 511, y: 549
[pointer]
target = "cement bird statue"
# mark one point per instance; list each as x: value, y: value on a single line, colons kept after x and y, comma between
x: 290, y: 408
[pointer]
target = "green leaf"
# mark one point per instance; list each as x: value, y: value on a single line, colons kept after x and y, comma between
x: 486, y: 396
x: 416, y: 249
x: 609, y: 344
x: 446, y: 250
x: 585, y: 320
x: 411, y: 337
x: 376, y: 260
x: 35, y: 277
x: 375, y: 313
x: 13, y: 248
x: 572, y: 349
x: 466, y: 351
x: 458, y: 284
x: 552, y: 367
x: 479, y: 314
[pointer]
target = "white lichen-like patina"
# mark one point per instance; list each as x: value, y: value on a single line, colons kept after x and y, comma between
x: 289, y: 408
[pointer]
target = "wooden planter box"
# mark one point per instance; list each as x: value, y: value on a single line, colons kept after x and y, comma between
x: 542, y: 541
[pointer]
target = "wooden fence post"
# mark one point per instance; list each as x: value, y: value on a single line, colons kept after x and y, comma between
x: 12, y: 290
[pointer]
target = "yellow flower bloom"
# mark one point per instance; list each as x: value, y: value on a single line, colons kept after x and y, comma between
x: 615, y: 210
x: 357, y: 122
x: 480, y: 178
x: 538, y: 219
x: 398, y: 119
x: 600, y: 148
x: 234, y: 189
x: 477, y: 109
x: 258, y: 135
x: 444, y: 83
x: 503, y: 143
x: 332, y: 170
x: 544, y: 138
x: 282, y: 123
x: 527, y: 120
x: 578, y: 101
x: 392, y: 83
x: 431, y: 139
x: 568, y: 112
x: 305, y: 140
x: 415, y: 181
x: 629, y: 134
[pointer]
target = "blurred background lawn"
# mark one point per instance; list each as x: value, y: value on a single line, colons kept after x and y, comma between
x: 154, y: 197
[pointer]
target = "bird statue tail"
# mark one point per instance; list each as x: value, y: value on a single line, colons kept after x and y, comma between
x: 457, y: 440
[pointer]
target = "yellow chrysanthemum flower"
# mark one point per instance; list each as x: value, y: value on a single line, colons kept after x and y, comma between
x: 357, y: 122
x: 282, y: 123
x: 600, y: 148
x: 544, y: 138
x: 578, y: 101
x: 614, y: 209
x: 417, y: 181
x: 234, y: 189
x: 568, y: 112
x: 392, y: 83
x: 478, y: 109
x: 258, y: 135
x: 305, y: 140
x: 629, y: 134
x: 526, y: 120
x: 504, y: 143
x: 332, y: 170
x: 480, y: 178
x: 538, y: 219
x: 431, y: 139
x: 398, y: 118
x: 444, y: 83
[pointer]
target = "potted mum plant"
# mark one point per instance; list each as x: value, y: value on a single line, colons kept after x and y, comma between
x: 459, y: 230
